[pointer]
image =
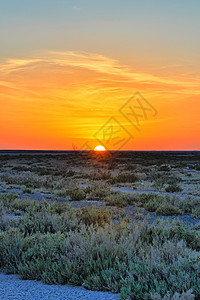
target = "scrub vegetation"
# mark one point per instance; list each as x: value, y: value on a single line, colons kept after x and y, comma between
x: 63, y: 221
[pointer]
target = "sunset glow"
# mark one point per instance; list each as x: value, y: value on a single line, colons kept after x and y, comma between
x: 58, y: 90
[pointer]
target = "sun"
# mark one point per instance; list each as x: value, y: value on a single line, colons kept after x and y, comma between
x: 99, y: 148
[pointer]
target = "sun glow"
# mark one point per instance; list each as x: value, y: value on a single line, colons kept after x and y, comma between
x: 99, y: 148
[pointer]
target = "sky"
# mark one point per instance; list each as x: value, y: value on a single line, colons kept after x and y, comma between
x: 122, y: 74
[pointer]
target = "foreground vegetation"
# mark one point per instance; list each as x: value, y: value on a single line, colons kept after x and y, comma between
x: 162, y: 205
x: 110, y: 248
x: 100, y: 249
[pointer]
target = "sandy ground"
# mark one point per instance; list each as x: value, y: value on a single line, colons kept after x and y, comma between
x: 12, y: 287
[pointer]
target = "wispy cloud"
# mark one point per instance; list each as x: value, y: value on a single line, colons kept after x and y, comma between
x: 97, y: 63
x: 12, y: 65
x: 7, y: 84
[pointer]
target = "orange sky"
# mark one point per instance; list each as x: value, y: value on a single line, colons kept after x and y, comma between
x: 69, y: 71
x: 54, y: 100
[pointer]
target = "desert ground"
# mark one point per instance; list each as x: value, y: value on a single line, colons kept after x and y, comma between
x: 120, y: 222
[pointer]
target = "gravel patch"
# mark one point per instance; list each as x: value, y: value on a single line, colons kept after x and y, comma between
x: 12, y: 287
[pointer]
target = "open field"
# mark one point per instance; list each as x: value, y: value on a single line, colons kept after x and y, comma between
x: 121, y: 222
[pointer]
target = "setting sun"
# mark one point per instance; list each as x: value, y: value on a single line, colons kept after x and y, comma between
x: 99, y: 148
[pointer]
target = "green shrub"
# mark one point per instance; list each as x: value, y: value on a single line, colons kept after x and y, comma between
x: 118, y: 199
x: 147, y: 274
x: 124, y: 178
x: 27, y: 190
x: 151, y: 204
x: 45, y: 222
x: 11, y: 245
x: 97, y: 192
x: 196, y: 213
x: 188, y: 204
x: 161, y: 179
x: 93, y: 216
x: 172, y: 188
x: 5, y: 221
x: 77, y: 194
x: 101, y: 175
x: 135, y: 259
x: 168, y: 210
x: 177, y: 296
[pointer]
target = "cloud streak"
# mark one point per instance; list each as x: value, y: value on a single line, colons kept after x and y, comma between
x: 97, y: 63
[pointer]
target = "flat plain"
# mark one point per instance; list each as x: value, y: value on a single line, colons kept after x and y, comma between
x: 123, y: 222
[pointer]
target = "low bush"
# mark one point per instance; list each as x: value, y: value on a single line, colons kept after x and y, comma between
x: 162, y: 178
x: 97, y: 192
x: 5, y: 221
x: 123, y: 178
x: 93, y: 216
x: 119, y: 199
x: 26, y: 190
x: 136, y: 260
x: 154, y: 277
x: 164, y: 205
x: 77, y: 194
x: 172, y: 188
x: 196, y: 212
x: 55, y: 243
x: 188, y: 295
x: 168, y: 210
x: 101, y: 175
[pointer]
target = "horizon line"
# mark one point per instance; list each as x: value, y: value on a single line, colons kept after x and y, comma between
x: 72, y: 150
